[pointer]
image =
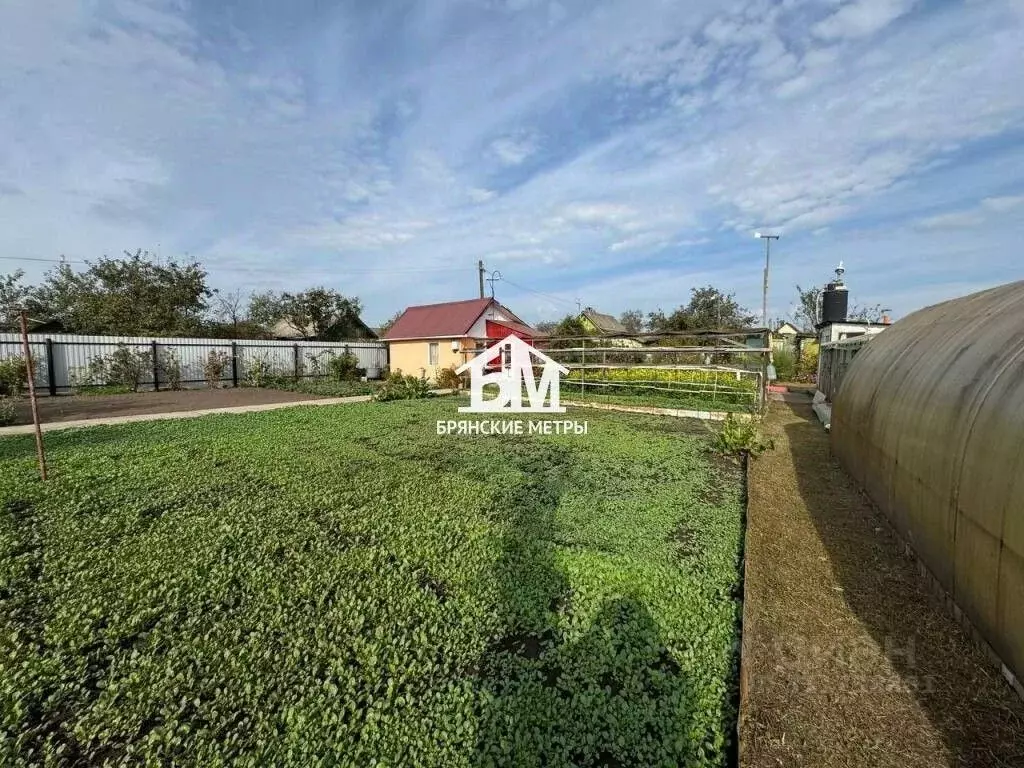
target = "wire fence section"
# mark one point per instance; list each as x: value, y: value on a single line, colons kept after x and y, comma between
x: 66, y: 362
x: 705, y: 369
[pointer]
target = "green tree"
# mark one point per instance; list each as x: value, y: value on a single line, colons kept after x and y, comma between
x: 319, y: 312
x: 806, y: 315
x: 546, y: 326
x: 129, y: 296
x: 570, y: 326
x: 633, y: 319
x: 709, y: 308
x: 386, y: 325
x: 13, y: 296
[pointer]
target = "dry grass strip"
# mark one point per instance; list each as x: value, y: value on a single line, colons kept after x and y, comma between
x: 849, y: 659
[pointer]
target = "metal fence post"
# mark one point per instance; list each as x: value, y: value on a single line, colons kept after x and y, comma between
x: 295, y: 351
x: 234, y: 364
x: 51, y: 375
x: 156, y: 366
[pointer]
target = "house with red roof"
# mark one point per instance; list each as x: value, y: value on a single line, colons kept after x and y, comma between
x: 427, y: 338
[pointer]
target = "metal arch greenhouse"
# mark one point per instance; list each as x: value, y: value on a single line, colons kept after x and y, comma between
x: 930, y: 421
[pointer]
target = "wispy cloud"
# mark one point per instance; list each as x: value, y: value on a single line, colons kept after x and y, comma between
x: 622, y: 152
x: 513, y: 151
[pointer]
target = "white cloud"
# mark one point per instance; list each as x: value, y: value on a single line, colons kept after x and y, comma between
x: 1003, y: 204
x: 511, y: 151
x: 862, y: 18
x: 953, y: 220
x: 645, y: 240
x: 670, y: 131
x: 481, y: 195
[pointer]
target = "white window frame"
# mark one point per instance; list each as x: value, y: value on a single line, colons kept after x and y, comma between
x: 433, y: 353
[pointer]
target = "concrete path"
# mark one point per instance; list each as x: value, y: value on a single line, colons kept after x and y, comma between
x: 27, y: 429
x: 848, y: 658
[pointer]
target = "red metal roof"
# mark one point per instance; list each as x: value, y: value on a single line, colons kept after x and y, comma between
x: 453, y: 318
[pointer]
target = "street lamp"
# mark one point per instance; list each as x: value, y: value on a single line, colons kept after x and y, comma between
x: 767, y: 261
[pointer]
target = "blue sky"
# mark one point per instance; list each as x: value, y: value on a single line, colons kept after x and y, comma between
x: 617, y: 152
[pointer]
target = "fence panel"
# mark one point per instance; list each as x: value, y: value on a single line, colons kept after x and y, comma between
x: 62, y: 361
x: 834, y: 360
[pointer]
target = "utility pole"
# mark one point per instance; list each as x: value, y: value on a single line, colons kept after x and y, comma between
x: 579, y: 307
x: 767, y: 263
x: 480, y: 269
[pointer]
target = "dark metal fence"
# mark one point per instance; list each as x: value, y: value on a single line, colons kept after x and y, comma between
x: 66, y: 362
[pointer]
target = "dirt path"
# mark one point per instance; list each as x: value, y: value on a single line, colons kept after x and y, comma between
x: 849, y: 661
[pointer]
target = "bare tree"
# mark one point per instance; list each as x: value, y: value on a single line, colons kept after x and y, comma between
x: 231, y: 308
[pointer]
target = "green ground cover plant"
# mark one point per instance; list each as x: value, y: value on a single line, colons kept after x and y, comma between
x: 344, y: 587
x: 715, y: 390
x: 324, y: 386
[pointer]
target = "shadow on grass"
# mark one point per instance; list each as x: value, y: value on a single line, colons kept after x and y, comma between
x: 964, y: 697
x: 609, y: 696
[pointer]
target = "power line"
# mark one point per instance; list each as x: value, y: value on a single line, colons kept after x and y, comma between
x: 35, y: 258
x: 539, y: 293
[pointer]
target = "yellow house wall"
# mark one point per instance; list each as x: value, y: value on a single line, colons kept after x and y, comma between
x: 411, y: 357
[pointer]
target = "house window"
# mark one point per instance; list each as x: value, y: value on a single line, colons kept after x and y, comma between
x: 432, y: 353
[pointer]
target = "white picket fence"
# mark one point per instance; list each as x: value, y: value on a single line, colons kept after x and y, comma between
x: 62, y: 360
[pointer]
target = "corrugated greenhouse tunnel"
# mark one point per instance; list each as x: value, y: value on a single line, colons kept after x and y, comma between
x: 930, y: 421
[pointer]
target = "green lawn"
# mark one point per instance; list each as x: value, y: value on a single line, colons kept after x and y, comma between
x: 342, y: 586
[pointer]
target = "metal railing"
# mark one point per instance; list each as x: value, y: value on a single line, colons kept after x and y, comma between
x: 705, y: 369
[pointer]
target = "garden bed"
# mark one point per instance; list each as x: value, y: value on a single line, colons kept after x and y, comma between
x: 341, y: 586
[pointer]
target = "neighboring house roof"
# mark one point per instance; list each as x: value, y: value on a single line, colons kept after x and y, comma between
x: 787, y: 329
x: 443, y: 321
x: 354, y: 328
x: 283, y: 329
x: 604, y: 323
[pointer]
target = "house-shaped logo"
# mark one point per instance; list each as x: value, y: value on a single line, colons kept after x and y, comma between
x: 515, y: 376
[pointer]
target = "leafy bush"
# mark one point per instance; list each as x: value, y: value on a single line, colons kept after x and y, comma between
x: 260, y: 371
x: 345, y: 367
x: 742, y: 436
x: 124, y: 367
x: 100, y: 390
x: 316, y: 363
x: 170, y: 367
x: 324, y: 387
x: 785, y: 364
x: 8, y: 410
x: 230, y: 597
x: 447, y: 378
x: 216, y: 363
x: 13, y: 376
x: 399, y: 387
x: 807, y: 366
